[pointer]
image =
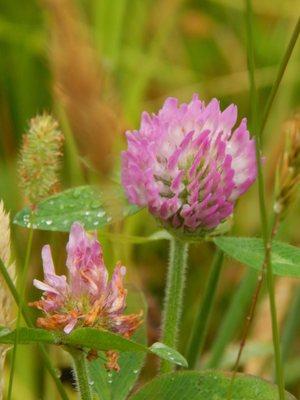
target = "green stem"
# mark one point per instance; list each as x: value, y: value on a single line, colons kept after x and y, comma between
x: 47, y: 362
x: 267, y: 237
x: 199, y: 330
x: 275, y: 332
x: 81, y: 374
x: 22, y: 294
x: 174, y: 296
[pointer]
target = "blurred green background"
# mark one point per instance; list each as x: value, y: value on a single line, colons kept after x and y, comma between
x: 97, y: 64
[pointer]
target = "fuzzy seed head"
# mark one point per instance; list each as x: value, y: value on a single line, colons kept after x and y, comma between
x: 39, y: 160
x: 6, y: 301
x: 7, y: 310
x: 288, y: 174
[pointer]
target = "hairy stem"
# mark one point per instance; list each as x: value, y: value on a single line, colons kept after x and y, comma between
x: 199, y: 331
x: 81, y: 374
x: 174, y: 296
x: 25, y: 314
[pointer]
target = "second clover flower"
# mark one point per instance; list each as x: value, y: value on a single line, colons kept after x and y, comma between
x: 88, y: 298
x: 189, y: 165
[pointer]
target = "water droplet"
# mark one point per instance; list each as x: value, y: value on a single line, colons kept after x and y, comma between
x: 91, y: 383
x: 49, y: 222
x: 101, y: 214
x: 109, y: 219
x: 58, y: 372
x: 28, y: 225
x: 96, y: 223
x: 87, y: 213
x: 135, y: 371
x: 109, y: 377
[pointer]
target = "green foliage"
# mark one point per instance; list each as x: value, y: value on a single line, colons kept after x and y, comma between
x: 89, y: 338
x: 250, y: 251
x: 85, y: 204
x: 207, y: 385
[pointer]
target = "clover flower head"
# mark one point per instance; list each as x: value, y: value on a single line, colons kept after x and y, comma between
x: 189, y: 165
x: 88, y: 298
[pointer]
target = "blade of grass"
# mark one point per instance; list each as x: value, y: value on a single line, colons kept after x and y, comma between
x: 23, y: 281
x: 199, y: 330
x: 231, y: 322
x: 76, y: 177
x: 292, y: 324
x: 138, y: 86
x: 279, y: 77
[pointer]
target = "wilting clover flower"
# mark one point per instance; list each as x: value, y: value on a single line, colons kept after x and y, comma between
x: 188, y: 164
x: 88, y: 298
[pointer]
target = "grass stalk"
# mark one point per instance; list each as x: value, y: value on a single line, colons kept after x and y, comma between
x: 267, y: 237
x: 237, y: 309
x: 23, y: 281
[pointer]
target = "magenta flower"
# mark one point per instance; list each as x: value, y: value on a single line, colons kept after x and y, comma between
x: 88, y: 299
x: 189, y: 165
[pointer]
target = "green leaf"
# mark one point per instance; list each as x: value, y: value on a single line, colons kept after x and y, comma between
x: 90, y: 338
x: 86, y: 204
x: 116, y: 385
x: 250, y: 251
x: 80, y: 337
x: 207, y: 385
x: 169, y: 354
